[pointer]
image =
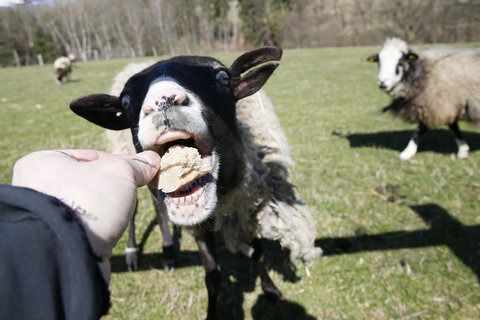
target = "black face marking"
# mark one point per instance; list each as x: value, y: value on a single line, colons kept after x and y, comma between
x: 397, y: 69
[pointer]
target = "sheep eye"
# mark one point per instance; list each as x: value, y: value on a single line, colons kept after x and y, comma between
x: 222, y: 77
x: 125, y: 101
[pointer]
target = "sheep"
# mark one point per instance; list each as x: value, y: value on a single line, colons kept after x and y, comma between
x: 199, y: 102
x: 63, y: 67
x: 435, y: 87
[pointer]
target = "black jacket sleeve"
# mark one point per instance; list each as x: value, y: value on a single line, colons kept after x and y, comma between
x: 47, y: 267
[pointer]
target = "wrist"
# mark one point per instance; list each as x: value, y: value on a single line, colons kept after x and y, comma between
x: 105, y: 269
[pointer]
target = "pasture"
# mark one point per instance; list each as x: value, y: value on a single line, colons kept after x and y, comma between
x: 401, y: 239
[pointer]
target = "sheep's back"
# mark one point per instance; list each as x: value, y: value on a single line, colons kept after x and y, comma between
x: 62, y: 63
x: 446, y: 84
x: 453, y: 84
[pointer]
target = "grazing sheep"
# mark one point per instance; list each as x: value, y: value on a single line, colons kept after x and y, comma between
x: 197, y: 102
x: 432, y: 88
x: 63, y: 67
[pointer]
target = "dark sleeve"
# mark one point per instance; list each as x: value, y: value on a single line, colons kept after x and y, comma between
x: 47, y: 267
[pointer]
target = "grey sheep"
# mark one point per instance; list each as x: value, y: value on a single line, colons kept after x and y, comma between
x: 435, y: 87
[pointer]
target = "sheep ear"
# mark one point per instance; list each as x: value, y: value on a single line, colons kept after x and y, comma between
x: 102, y: 109
x: 250, y: 83
x: 253, y: 58
x: 253, y: 81
x: 373, y: 58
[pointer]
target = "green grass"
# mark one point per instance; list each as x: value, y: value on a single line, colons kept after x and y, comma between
x: 402, y: 239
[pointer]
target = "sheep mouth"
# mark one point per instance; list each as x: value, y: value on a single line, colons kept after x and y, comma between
x: 190, y: 199
x: 171, y: 138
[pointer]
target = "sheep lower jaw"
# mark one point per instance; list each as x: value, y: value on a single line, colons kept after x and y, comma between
x: 193, y: 203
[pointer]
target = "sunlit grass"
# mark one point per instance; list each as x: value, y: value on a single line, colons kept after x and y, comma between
x: 402, y: 238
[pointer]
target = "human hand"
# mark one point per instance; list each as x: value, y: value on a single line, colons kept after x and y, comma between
x: 100, y: 187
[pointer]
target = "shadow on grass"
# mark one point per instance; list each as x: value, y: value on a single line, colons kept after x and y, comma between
x: 438, y: 140
x: 239, y: 275
x: 239, y: 272
x: 444, y: 229
x: 71, y: 81
x: 154, y: 260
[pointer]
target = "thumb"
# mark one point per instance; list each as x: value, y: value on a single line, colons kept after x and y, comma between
x: 145, y: 165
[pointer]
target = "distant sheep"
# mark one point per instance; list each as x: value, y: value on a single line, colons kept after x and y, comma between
x: 199, y: 102
x: 63, y: 67
x: 434, y: 87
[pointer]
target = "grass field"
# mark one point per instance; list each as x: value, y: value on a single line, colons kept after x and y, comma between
x: 401, y: 239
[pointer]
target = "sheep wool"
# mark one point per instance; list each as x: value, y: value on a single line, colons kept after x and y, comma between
x: 266, y: 204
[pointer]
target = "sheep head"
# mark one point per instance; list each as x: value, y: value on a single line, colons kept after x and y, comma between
x: 187, y: 100
x: 395, y: 60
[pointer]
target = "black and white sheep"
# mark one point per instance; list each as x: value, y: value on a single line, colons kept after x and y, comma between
x: 435, y: 87
x: 63, y: 67
x: 197, y: 101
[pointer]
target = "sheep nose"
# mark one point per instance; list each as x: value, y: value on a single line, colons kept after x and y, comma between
x: 164, y: 98
x: 381, y: 84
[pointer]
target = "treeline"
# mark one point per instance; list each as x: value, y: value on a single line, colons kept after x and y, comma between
x: 106, y: 29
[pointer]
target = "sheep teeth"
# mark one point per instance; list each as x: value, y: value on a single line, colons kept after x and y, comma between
x: 186, y: 200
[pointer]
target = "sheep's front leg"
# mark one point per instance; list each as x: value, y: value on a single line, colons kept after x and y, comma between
x: 131, y: 251
x: 168, y: 247
x: 206, y: 245
x: 463, y: 147
x: 271, y: 291
x: 412, y: 146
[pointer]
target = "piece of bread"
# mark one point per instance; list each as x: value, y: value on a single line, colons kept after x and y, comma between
x: 180, y: 166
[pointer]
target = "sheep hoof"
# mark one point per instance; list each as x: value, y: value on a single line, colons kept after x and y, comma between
x: 409, y: 151
x: 274, y: 296
x: 463, y: 151
x: 168, y: 257
x: 405, y: 156
x: 131, y: 258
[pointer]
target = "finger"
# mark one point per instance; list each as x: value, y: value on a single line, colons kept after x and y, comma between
x: 145, y: 165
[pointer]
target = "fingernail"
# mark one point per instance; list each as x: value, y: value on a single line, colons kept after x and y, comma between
x: 151, y: 157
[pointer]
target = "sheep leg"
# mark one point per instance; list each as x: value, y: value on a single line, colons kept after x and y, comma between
x: 168, y: 248
x: 206, y: 245
x: 412, y: 146
x: 463, y: 147
x: 268, y: 287
x: 131, y: 251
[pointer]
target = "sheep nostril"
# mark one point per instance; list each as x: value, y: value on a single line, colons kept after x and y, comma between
x: 185, y: 101
x: 382, y: 85
x: 180, y: 98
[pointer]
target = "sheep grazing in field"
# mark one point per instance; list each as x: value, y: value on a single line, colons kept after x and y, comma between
x: 434, y: 87
x: 63, y: 67
x: 198, y: 102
